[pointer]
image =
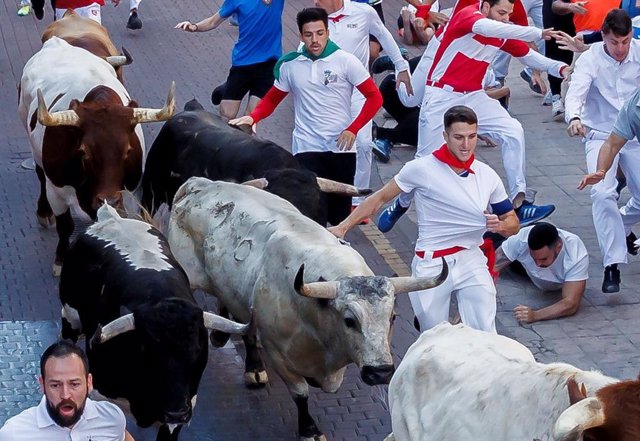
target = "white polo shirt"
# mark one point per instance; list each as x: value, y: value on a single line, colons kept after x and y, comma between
x: 100, y: 421
x: 450, y: 207
x: 571, y: 265
x: 322, y: 91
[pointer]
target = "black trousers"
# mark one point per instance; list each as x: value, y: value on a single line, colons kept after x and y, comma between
x: 406, y: 132
x: 339, y: 167
x: 559, y: 23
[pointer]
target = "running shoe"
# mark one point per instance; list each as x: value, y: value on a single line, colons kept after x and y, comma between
x: 390, y: 216
x: 134, y: 23
x: 529, y: 213
x: 382, y: 149
x: 535, y: 87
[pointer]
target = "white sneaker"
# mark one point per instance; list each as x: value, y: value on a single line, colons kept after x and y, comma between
x: 557, y: 108
x: 546, y: 101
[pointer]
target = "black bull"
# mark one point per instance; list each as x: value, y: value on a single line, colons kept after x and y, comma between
x: 196, y: 143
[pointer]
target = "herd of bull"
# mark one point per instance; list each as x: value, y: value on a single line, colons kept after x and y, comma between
x: 310, y: 300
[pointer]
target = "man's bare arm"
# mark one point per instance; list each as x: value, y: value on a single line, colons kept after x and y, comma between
x: 572, y: 293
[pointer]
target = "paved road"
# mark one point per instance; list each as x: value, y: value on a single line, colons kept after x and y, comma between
x: 602, y: 335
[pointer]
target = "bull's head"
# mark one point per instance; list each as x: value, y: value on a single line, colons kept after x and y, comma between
x: 610, y: 415
x: 171, y: 353
x: 104, y: 153
x: 365, y: 305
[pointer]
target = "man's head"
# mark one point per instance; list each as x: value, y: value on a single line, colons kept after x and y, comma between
x: 461, y: 131
x: 65, y: 381
x: 313, y: 24
x: 544, y: 244
x: 498, y: 10
x: 617, y: 34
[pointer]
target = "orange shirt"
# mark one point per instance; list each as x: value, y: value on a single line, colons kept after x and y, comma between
x: 593, y: 19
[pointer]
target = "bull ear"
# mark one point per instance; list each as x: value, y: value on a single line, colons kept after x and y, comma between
x: 316, y: 290
x: 575, y: 392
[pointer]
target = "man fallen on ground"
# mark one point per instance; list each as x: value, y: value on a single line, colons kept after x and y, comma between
x: 554, y: 260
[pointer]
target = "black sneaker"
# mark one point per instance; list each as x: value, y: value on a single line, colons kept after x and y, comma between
x: 134, y: 23
x: 611, y: 282
x: 632, y: 248
x: 382, y: 64
x: 216, y: 95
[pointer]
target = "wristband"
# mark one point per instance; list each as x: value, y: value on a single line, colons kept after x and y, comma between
x: 574, y: 118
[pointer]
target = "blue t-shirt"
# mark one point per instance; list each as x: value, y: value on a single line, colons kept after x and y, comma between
x: 260, y: 30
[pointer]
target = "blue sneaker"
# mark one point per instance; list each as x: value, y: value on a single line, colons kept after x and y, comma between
x: 534, y: 87
x: 382, y: 64
x: 390, y: 216
x: 382, y: 149
x: 529, y: 213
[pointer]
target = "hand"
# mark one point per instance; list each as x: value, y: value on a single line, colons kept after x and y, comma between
x: 566, y: 72
x: 345, y: 140
x: 591, y: 179
x: 438, y: 18
x: 536, y: 78
x: 337, y: 231
x: 115, y: 2
x: 578, y: 7
x: 576, y: 128
x: 568, y: 43
x: 493, y: 222
x: 241, y: 121
x: 404, y: 78
x: 547, y: 34
x: 186, y: 26
x: 524, y: 314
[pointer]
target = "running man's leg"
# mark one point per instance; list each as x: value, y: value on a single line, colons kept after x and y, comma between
x: 475, y: 290
x: 431, y: 306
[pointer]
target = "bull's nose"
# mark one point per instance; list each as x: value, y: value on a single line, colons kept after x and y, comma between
x: 373, y: 375
x: 178, y: 417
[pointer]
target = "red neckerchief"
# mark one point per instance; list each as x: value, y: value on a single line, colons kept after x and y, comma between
x: 444, y: 155
x: 337, y: 18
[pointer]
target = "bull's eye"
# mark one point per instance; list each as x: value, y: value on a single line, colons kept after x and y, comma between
x: 350, y: 322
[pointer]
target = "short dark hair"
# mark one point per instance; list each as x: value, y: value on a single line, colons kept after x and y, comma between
x: 618, y: 22
x: 307, y: 15
x: 492, y: 3
x: 459, y: 114
x: 62, y: 349
x: 543, y: 234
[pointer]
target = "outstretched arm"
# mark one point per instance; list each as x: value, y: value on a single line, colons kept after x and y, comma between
x: 207, y: 24
x: 572, y: 293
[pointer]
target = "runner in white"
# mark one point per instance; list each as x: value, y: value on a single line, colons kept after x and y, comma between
x: 453, y: 191
x: 461, y: 55
x: 350, y: 24
x: 605, y: 77
x: 554, y: 260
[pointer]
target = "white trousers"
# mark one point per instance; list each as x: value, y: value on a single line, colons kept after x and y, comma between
x: 133, y: 4
x: 469, y: 280
x: 92, y: 11
x: 613, y: 225
x: 363, y: 146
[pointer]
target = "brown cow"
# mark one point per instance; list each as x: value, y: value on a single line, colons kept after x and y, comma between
x: 85, y: 134
x: 90, y: 35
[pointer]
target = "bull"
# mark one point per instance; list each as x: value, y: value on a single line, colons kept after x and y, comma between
x: 121, y: 285
x: 85, y: 134
x: 457, y: 383
x: 88, y: 34
x: 199, y: 143
x: 318, y: 306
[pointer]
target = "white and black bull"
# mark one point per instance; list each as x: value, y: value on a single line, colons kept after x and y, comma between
x: 85, y: 134
x: 318, y: 306
x: 199, y: 143
x: 121, y: 285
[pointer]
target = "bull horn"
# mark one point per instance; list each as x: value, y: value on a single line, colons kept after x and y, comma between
x: 120, y: 60
x: 61, y: 118
x: 142, y: 115
x: 261, y: 183
x: 214, y: 322
x: 315, y: 290
x: 118, y: 326
x: 581, y: 416
x: 409, y: 284
x: 329, y: 186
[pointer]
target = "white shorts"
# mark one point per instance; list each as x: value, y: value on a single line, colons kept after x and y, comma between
x: 92, y: 11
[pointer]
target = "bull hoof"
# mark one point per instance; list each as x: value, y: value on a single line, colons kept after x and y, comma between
x: 256, y: 379
x: 46, y: 221
x: 57, y: 269
x: 320, y: 437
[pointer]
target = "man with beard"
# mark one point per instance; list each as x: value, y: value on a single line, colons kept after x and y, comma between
x: 66, y: 412
x: 554, y: 260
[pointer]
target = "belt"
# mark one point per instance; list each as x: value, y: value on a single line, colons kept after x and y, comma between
x: 446, y: 87
x: 440, y: 253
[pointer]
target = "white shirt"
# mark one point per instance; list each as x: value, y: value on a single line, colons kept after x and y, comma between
x: 100, y: 421
x: 450, y: 208
x: 351, y: 33
x: 571, y: 265
x: 600, y: 86
x: 322, y: 91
